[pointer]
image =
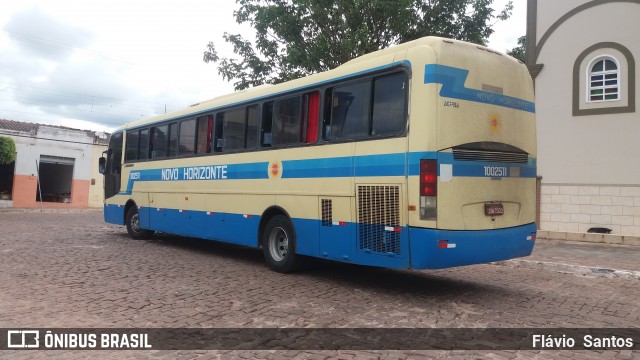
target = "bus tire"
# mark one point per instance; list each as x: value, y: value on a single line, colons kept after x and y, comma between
x: 133, y: 225
x: 279, y: 245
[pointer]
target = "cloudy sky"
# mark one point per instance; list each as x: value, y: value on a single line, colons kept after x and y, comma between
x: 97, y: 64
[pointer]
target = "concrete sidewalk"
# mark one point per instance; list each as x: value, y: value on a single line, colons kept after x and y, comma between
x: 582, y: 258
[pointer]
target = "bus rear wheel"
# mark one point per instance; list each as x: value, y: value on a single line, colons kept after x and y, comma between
x: 279, y: 245
x: 133, y: 225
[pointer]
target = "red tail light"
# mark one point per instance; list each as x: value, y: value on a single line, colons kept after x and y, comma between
x: 428, y: 177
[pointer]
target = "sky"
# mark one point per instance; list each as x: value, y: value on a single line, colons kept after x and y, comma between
x: 94, y: 64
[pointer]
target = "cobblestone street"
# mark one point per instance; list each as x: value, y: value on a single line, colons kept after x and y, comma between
x: 73, y: 270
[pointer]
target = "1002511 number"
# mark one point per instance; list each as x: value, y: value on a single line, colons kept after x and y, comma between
x: 496, y: 171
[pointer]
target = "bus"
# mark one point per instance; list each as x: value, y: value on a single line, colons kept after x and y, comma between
x: 418, y: 156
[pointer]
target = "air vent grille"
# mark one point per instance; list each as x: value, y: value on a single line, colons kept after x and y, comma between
x: 327, y: 212
x: 379, y: 219
x: 491, y: 156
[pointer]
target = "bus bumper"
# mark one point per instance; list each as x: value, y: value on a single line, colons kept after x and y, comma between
x: 439, y: 249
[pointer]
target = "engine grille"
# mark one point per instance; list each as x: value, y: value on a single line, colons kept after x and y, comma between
x: 491, y: 156
x: 378, y: 218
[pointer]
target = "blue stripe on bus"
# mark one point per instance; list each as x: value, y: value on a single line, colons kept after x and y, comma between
x: 247, y: 171
x: 419, y: 248
x: 399, y: 164
x: 453, y: 80
x: 318, y: 168
x: 359, y: 166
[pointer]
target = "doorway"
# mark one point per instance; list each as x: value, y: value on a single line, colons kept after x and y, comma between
x: 55, y: 178
x: 6, y: 180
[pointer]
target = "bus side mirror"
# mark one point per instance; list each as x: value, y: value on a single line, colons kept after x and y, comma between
x: 102, y: 165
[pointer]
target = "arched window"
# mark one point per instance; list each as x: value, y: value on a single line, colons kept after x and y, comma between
x: 603, y: 79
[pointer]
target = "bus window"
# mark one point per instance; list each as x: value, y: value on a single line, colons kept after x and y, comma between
x: 115, y: 154
x: 187, y: 142
x: 159, y: 141
x: 389, y: 99
x: 267, y: 121
x: 131, y: 154
x: 217, y: 134
x: 312, y: 107
x: 233, y: 129
x: 173, y: 140
x: 253, y: 122
x: 204, y: 134
x: 287, y: 121
x: 143, y: 152
x: 350, y: 111
x: 326, y: 114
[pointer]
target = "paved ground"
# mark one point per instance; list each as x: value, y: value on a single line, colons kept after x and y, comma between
x: 583, y: 258
x: 609, y: 256
x: 73, y: 270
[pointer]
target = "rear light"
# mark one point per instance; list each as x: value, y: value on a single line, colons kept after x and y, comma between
x: 428, y: 177
x: 428, y: 189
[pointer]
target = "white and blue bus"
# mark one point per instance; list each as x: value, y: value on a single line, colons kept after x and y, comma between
x: 422, y: 156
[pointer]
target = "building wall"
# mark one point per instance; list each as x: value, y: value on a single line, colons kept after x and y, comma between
x: 65, y: 143
x: 589, y: 163
x: 96, y: 183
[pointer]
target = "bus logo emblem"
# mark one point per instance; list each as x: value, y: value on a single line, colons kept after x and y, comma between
x: 275, y: 170
x: 495, y: 123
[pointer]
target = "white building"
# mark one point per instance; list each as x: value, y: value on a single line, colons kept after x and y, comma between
x: 65, y: 161
x: 582, y: 55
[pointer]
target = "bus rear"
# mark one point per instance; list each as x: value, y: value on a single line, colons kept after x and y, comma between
x: 472, y: 157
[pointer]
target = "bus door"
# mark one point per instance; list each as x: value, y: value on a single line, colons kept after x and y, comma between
x: 113, y: 167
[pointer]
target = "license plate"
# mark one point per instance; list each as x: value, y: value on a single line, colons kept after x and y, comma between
x: 494, y: 209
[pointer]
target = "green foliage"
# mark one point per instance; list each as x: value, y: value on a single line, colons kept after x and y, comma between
x: 7, y: 150
x: 295, y: 38
x: 520, y: 52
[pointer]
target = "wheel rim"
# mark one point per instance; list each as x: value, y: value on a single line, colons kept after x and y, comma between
x: 278, y: 244
x: 135, y: 223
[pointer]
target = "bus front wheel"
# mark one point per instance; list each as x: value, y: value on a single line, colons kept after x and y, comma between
x: 279, y: 245
x: 133, y: 225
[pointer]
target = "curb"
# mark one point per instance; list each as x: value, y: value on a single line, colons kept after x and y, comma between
x: 580, y: 270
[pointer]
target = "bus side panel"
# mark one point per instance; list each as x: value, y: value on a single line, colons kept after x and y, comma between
x: 306, y: 236
x: 114, y: 214
x: 303, y: 211
x: 235, y: 218
x: 364, y: 256
x: 141, y: 199
x: 239, y: 229
x: 379, y: 205
x: 145, y: 219
x: 439, y: 249
x: 336, y: 228
x: 176, y: 214
x: 162, y: 219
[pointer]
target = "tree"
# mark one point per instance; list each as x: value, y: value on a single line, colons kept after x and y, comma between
x: 295, y: 38
x: 520, y: 52
x: 7, y: 150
